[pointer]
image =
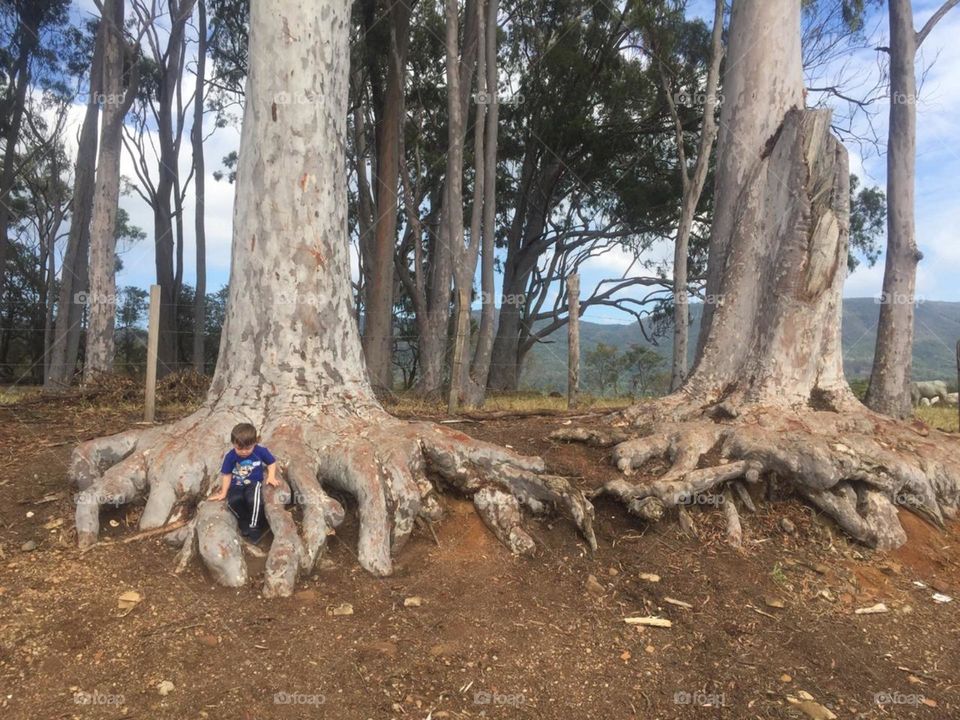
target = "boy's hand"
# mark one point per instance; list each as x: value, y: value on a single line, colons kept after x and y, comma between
x: 273, y: 482
x: 218, y: 497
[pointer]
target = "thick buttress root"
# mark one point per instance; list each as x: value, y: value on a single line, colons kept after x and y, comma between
x: 381, y: 461
x: 855, y: 467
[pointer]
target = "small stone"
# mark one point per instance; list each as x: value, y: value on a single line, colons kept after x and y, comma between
x: 785, y: 678
x: 872, y: 610
x: 165, y: 688
x: 209, y: 640
x: 29, y: 546
x: 650, y: 649
x: 343, y: 609
x: 929, y: 702
x: 787, y: 526
x: 613, y: 572
x: 413, y: 601
x: 129, y: 600
x: 649, y: 577
x: 625, y: 655
x: 774, y: 602
x: 593, y: 585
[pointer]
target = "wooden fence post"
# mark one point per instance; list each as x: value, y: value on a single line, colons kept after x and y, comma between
x: 153, y: 331
x: 573, y: 341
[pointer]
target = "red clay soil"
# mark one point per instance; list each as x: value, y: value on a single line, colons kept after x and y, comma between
x: 493, y: 636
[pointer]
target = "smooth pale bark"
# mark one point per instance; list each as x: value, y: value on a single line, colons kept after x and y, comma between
x: 103, y: 220
x: 200, y: 232
x: 768, y: 82
x: 453, y: 202
x: 889, y: 389
x: 378, y: 316
x: 433, y: 308
x: 73, y: 273
x: 291, y: 360
x: 462, y: 386
x: 692, y: 190
x: 480, y: 368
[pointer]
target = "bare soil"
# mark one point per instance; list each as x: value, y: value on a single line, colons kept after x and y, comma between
x: 493, y: 635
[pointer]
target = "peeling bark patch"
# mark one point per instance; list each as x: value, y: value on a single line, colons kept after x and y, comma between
x: 273, y: 111
x: 253, y: 242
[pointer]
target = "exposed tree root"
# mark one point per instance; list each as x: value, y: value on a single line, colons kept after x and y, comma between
x: 379, y: 460
x: 855, y: 466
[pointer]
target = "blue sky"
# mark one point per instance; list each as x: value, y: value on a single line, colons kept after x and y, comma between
x: 938, y: 166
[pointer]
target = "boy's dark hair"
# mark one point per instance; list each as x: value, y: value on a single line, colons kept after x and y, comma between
x: 243, y: 435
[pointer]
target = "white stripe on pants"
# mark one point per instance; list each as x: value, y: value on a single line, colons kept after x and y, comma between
x: 256, y: 506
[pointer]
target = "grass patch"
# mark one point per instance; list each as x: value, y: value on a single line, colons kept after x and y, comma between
x: 520, y: 402
x: 944, y: 418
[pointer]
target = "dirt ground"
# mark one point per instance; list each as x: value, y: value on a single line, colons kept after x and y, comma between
x: 493, y: 636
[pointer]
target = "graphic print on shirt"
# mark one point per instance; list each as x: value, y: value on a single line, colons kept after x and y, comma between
x: 244, y: 468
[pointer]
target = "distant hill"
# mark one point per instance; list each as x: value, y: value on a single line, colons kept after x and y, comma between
x: 937, y: 329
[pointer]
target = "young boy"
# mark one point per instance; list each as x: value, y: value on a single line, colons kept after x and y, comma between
x: 241, y: 476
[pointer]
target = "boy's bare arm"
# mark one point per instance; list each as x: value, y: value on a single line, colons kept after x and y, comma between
x: 272, y: 475
x: 224, y: 486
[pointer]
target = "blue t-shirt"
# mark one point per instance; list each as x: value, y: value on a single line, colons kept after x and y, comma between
x: 248, y: 470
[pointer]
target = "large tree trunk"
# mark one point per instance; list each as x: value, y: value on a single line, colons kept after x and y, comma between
x: 889, y: 390
x: 766, y: 401
x: 200, y: 296
x: 480, y: 368
x: 464, y: 257
x: 291, y: 361
x: 73, y: 271
x: 103, y: 221
x: 378, y: 325
x: 523, y: 252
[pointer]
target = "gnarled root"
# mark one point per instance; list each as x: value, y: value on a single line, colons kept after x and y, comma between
x: 379, y: 460
x: 856, y: 467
